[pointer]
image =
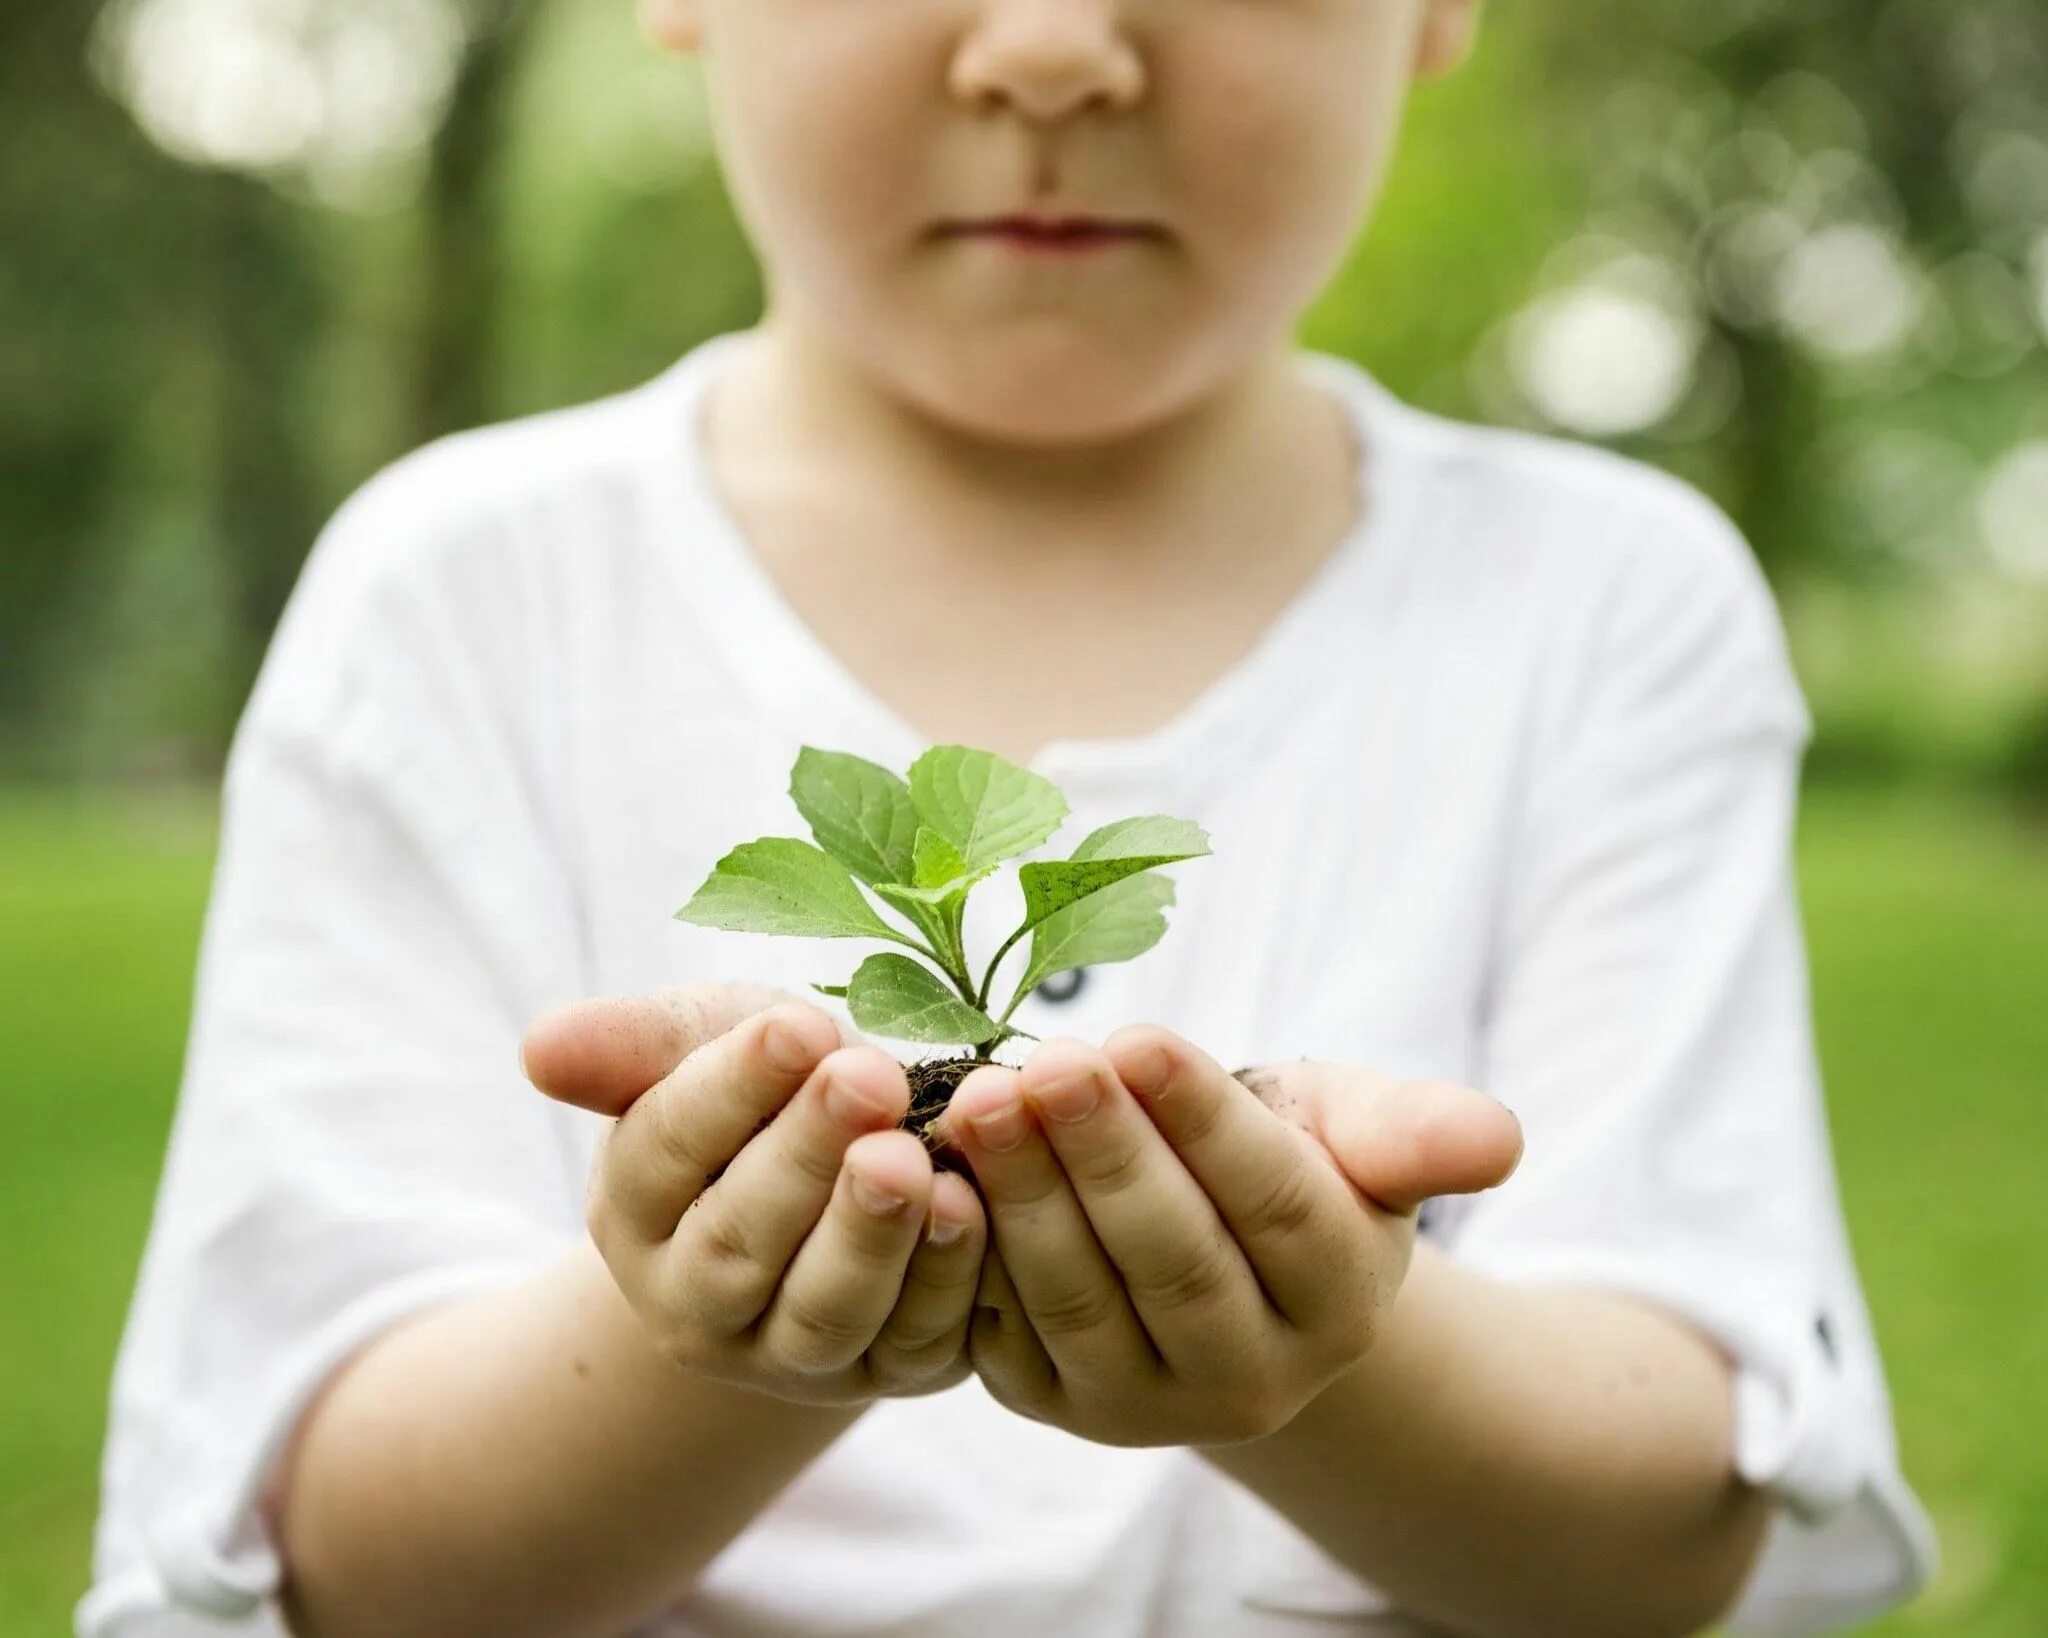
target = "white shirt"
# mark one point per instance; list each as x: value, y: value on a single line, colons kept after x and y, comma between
x: 1504, y: 796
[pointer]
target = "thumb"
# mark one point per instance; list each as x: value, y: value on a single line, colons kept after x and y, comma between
x: 1402, y: 1141
x: 603, y: 1053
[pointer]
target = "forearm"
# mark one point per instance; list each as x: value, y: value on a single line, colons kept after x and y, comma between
x: 1522, y: 1461
x: 526, y: 1462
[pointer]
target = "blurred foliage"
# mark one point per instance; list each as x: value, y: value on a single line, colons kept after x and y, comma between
x: 250, y: 253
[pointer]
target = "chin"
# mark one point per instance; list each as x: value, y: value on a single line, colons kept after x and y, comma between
x: 1044, y: 396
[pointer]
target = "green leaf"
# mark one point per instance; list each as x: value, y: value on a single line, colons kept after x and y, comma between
x: 1115, y: 923
x: 942, y: 876
x: 911, y: 900
x: 780, y: 884
x: 1108, y: 855
x: 904, y: 999
x: 934, y: 860
x: 988, y: 808
x: 829, y: 989
x: 859, y: 811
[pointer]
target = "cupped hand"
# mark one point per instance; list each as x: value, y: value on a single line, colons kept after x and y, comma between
x: 1176, y: 1258
x: 754, y: 1199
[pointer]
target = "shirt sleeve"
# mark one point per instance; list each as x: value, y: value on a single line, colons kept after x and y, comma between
x: 1647, y: 1018
x: 354, y: 1140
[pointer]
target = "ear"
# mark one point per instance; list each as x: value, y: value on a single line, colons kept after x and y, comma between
x: 675, y: 26
x: 1445, y: 38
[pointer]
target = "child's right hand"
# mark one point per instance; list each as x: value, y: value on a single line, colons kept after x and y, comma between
x: 774, y: 1276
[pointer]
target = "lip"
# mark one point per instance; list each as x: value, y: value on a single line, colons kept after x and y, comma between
x: 1063, y: 234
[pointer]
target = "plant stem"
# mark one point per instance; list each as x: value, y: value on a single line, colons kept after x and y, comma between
x: 1015, y: 1001
x: 924, y: 950
x: 988, y: 978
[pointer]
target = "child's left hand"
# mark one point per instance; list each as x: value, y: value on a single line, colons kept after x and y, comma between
x: 1196, y: 1277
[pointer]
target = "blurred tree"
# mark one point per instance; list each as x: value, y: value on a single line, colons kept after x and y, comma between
x: 83, y: 210
x: 462, y: 272
x: 1856, y: 226
x: 259, y: 310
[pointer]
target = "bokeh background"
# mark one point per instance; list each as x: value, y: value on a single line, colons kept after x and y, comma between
x: 1795, y: 250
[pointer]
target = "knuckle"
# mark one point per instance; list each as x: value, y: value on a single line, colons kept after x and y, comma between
x: 1200, y: 1122
x: 1016, y: 1391
x: 874, y: 1244
x: 819, y: 1335
x: 1286, y: 1205
x: 944, y: 1272
x: 1028, y: 1200
x: 718, y: 1301
x: 1352, y: 1329
x: 896, y: 1374
x: 918, y: 1343
x: 691, y: 1011
x: 684, y: 1347
x: 669, y: 1141
x: 721, y: 1239
x: 1109, y: 1171
x: 812, y: 1155
x: 1074, y: 1311
x: 1194, y: 1279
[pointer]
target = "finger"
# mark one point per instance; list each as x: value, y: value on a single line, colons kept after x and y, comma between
x: 925, y: 1335
x: 845, y: 1280
x: 671, y: 1141
x: 733, y: 1246
x: 1006, y: 1352
x: 602, y: 1053
x: 1185, y: 1274
x: 1070, y: 1290
x: 1288, y: 1208
x: 1402, y: 1142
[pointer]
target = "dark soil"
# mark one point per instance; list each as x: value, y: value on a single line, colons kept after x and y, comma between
x: 933, y: 1082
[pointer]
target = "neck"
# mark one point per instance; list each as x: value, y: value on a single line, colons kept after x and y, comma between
x: 1262, y: 418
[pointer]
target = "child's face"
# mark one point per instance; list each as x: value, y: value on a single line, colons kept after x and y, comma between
x: 1247, y: 139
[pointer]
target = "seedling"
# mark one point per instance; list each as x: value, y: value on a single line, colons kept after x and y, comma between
x: 921, y: 846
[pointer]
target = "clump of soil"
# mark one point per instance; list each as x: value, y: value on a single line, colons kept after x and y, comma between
x: 933, y: 1081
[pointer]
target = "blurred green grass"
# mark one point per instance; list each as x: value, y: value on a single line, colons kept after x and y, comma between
x: 1927, y: 916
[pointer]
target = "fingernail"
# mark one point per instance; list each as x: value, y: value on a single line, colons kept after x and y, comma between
x: 846, y: 1105
x: 944, y: 1231
x: 1147, y: 1070
x: 1071, y: 1097
x: 783, y: 1047
x: 874, y: 1199
x: 1000, y: 1128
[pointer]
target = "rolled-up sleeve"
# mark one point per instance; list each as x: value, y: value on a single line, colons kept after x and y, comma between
x: 1647, y: 1017
x: 353, y: 1141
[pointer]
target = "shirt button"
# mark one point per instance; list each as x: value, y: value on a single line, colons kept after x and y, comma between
x: 1062, y: 986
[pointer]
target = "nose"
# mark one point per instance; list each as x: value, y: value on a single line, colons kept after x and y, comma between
x: 1048, y: 59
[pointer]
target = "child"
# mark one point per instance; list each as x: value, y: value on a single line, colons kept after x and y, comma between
x: 1497, y: 745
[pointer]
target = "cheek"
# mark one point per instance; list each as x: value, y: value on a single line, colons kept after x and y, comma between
x: 1279, y: 138
x: 824, y: 134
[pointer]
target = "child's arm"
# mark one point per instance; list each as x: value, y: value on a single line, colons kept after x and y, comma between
x: 566, y: 1456
x: 1229, y: 1274
x: 526, y: 1462
x: 1523, y: 1462
x: 1572, y: 1443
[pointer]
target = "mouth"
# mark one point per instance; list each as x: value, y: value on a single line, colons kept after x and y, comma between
x: 1055, y: 235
